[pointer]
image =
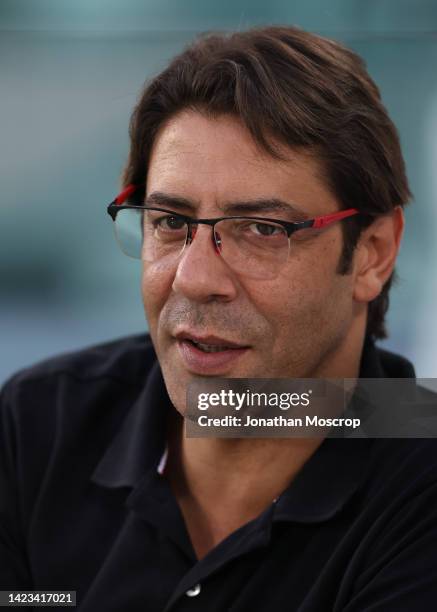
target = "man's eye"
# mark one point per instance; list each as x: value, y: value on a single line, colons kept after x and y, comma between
x: 265, y: 229
x: 170, y: 222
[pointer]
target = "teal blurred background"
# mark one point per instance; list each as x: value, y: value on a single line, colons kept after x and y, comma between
x: 70, y: 74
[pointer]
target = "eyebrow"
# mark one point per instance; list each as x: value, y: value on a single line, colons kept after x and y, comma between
x: 258, y: 205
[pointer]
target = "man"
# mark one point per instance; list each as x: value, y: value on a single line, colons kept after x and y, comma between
x: 101, y: 491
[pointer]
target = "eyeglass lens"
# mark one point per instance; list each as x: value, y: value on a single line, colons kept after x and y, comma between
x: 257, y: 249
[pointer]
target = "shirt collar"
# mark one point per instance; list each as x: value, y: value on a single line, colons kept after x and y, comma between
x: 326, y: 482
x: 335, y: 471
x: 140, y: 445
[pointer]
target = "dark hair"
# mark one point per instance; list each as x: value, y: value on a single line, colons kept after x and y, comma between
x: 292, y: 87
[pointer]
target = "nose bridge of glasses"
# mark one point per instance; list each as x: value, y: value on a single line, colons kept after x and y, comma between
x: 193, y: 229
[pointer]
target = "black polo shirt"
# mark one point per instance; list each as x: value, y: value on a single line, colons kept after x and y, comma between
x: 83, y: 505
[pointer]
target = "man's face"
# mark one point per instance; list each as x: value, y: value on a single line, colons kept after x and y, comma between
x: 289, y: 326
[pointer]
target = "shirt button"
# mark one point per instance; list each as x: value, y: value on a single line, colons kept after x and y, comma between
x: 194, y: 591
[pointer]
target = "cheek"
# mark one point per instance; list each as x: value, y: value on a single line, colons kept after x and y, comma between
x: 155, y: 288
x: 324, y: 295
x: 309, y: 298
x: 308, y: 279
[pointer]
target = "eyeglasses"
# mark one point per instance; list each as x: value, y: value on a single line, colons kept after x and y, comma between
x: 256, y: 247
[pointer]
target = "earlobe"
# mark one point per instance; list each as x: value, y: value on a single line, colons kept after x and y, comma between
x: 367, y: 287
x: 376, y: 254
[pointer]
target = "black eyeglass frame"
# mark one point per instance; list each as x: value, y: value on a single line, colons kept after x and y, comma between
x: 289, y: 226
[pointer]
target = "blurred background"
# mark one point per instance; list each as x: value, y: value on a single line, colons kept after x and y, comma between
x: 70, y: 74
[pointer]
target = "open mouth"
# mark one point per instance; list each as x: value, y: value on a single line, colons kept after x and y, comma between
x: 211, y: 348
x: 212, y: 356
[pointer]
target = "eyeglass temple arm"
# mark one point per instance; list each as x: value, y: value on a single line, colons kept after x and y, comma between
x: 120, y: 199
x: 325, y: 220
x: 123, y: 195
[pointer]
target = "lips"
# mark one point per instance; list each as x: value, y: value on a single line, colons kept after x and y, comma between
x: 209, y: 355
x: 209, y: 348
x: 210, y: 342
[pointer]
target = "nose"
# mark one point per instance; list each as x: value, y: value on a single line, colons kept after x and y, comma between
x: 202, y: 274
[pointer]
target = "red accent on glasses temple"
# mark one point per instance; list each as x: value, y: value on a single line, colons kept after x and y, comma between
x: 127, y: 191
x: 325, y: 220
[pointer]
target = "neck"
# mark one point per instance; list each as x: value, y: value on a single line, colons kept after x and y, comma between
x: 229, y: 481
x: 222, y: 484
x: 249, y: 472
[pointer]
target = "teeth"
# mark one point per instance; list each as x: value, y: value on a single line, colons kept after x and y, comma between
x: 210, y: 348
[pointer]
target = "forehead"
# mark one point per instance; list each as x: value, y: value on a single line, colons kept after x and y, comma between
x: 211, y: 161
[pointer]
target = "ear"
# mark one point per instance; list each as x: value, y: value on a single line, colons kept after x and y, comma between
x: 376, y: 254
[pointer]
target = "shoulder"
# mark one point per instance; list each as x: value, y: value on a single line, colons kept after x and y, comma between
x: 75, y: 383
x: 125, y: 360
x: 94, y: 382
x: 400, y: 481
x: 69, y: 406
x: 401, y: 457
